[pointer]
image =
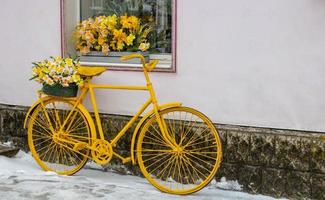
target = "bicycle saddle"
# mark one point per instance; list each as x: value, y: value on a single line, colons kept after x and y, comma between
x: 91, y: 71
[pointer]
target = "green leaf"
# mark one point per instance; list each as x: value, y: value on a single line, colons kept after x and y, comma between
x: 35, y: 63
x: 33, y: 78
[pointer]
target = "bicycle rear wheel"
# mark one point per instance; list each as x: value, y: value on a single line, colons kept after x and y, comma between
x: 52, y: 148
x: 193, y: 164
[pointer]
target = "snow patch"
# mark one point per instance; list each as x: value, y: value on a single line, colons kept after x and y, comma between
x: 22, y: 178
x: 8, y: 144
x: 226, y: 185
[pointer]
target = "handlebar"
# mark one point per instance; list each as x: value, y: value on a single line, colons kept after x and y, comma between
x: 147, y: 66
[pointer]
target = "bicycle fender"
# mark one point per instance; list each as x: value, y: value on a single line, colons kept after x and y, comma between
x: 32, y: 108
x: 80, y: 106
x: 141, y: 122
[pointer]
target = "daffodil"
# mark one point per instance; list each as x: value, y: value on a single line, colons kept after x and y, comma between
x: 88, y: 36
x: 120, y: 45
x: 69, y: 62
x: 59, y: 69
x: 104, y: 32
x: 119, y: 35
x: 144, y: 46
x: 134, y: 22
x: 84, y: 50
x: 105, y: 49
x: 101, y: 40
x: 76, y: 78
x: 111, y: 21
x: 129, y: 39
x: 125, y: 21
x: 58, y: 59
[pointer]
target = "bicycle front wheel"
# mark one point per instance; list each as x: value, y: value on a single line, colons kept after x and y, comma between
x: 193, y: 164
x: 52, y: 146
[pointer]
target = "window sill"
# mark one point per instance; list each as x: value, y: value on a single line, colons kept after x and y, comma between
x: 126, y: 65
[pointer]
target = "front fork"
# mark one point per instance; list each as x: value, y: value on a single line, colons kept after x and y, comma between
x: 161, y: 122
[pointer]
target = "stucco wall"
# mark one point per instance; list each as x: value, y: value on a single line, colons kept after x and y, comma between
x: 254, y: 62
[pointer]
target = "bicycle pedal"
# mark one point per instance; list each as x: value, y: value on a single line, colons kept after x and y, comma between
x: 79, y: 146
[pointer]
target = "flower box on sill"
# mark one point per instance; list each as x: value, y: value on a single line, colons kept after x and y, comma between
x: 112, y: 57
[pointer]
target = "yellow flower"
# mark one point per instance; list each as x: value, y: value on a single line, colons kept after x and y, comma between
x: 69, y: 62
x: 80, y: 83
x: 75, y: 78
x: 113, y: 45
x: 129, y: 39
x: 104, y: 32
x: 36, y: 70
x: 101, y: 40
x: 124, y: 21
x: 119, y: 35
x: 134, y: 22
x: 111, y: 21
x: 144, y: 46
x: 105, y: 49
x: 131, y: 22
x: 120, y: 46
x: 41, y: 75
x: 48, y: 80
x: 57, y: 60
x: 51, y: 65
x: 88, y: 36
x: 59, y: 69
x: 84, y: 50
x: 119, y: 38
x: 56, y: 78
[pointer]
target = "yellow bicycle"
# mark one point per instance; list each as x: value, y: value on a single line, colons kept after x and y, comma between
x: 177, y: 148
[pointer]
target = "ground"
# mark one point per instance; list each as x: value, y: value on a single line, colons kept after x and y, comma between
x: 21, y: 178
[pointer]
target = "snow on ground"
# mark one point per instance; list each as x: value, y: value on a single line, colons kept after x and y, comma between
x: 21, y: 178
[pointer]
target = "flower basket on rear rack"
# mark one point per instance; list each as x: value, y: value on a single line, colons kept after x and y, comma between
x: 58, y: 76
x: 59, y: 90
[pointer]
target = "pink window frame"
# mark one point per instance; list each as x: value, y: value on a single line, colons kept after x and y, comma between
x: 174, y: 42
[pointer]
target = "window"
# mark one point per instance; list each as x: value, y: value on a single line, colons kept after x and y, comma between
x: 160, y: 15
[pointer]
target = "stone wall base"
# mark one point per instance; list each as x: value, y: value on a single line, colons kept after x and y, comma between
x: 280, y: 163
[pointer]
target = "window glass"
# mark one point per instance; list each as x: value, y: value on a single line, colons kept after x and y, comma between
x: 157, y: 13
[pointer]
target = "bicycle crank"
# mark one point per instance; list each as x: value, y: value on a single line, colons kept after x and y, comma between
x: 102, y: 152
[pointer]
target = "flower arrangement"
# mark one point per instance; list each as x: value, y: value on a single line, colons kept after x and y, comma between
x: 112, y: 33
x: 57, y: 71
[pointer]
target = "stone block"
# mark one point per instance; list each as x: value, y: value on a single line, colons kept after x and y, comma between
x: 317, y: 156
x: 305, y: 152
x: 13, y: 122
x: 289, y: 153
x: 238, y: 147
x: 125, y: 169
x: 230, y: 171
x: 251, y: 178
x: 20, y: 142
x: 273, y: 182
x: 112, y: 127
x: 298, y: 184
x: 223, y: 137
x: 1, y: 124
x: 262, y: 149
x: 318, y: 186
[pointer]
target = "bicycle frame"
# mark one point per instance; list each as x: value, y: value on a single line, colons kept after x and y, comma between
x: 89, y: 87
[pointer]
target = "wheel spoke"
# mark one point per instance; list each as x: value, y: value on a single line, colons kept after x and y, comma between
x: 186, y: 168
x: 53, y: 147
